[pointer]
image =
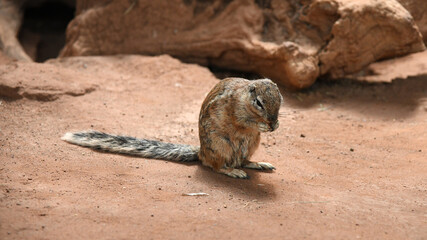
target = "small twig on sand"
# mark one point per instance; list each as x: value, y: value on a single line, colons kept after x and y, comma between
x: 304, y: 202
x: 195, y: 194
x: 130, y: 7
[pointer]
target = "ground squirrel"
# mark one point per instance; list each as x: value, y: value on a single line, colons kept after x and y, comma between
x: 232, y: 116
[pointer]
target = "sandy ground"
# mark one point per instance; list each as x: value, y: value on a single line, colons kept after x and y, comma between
x: 350, y: 158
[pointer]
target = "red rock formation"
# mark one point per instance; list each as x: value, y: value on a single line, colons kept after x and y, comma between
x: 367, y: 31
x: 418, y: 10
x: 292, y: 42
x: 10, y: 22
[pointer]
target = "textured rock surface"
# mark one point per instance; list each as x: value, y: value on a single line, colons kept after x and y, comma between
x: 10, y: 21
x: 77, y: 76
x: 44, y: 82
x: 411, y: 65
x: 418, y: 10
x: 292, y: 42
x: 367, y: 31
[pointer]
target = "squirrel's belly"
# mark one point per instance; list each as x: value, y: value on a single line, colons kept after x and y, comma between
x: 242, y: 151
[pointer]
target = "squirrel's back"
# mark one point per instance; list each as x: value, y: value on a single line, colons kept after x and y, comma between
x: 133, y: 146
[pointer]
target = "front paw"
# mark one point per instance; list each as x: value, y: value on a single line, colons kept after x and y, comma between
x: 237, y: 173
x: 266, y: 165
x: 234, y: 173
x: 259, y: 165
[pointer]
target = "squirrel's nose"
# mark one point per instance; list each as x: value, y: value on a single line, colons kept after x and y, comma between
x: 274, y: 126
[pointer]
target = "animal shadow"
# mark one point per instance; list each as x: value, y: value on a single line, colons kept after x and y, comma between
x: 252, y: 188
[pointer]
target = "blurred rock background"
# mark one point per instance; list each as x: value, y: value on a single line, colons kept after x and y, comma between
x: 292, y: 42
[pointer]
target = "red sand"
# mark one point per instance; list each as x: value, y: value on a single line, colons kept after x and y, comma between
x: 350, y: 158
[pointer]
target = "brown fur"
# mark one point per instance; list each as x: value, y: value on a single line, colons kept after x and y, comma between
x: 230, y: 123
x: 231, y: 119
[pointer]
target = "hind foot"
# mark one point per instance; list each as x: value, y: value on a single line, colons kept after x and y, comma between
x: 259, y: 165
x: 234, y: 173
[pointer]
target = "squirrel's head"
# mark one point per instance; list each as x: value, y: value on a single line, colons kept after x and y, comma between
x: 264, y: 104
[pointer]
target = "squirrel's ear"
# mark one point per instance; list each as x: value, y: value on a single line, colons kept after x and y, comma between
x: 251, y: 88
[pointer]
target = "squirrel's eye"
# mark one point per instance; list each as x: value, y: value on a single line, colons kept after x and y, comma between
x: 259, y: 104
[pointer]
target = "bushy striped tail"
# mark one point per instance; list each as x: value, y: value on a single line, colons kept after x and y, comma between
x: 133, y: 146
